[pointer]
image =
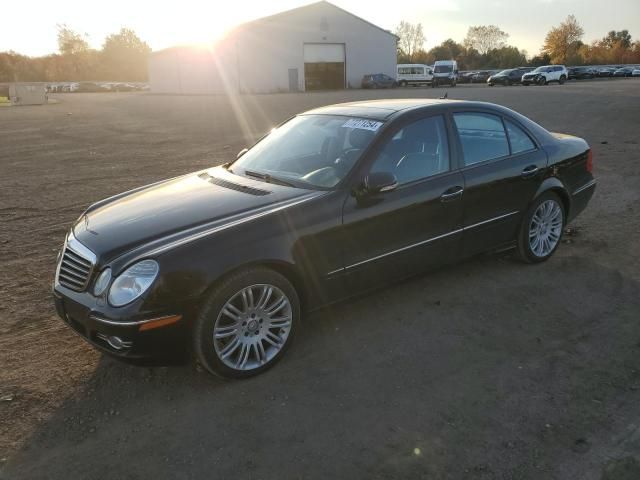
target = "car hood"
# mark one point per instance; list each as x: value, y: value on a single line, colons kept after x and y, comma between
x: 169, y: 210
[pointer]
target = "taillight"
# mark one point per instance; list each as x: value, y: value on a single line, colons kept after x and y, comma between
x: 589, y: 161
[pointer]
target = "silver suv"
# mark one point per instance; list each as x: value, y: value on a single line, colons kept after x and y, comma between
x: 546, y: 74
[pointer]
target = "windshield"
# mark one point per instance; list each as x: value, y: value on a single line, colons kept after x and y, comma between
x: 541, y: 69
x: 443, y: 69
x: 309, y: 151
x: 506, y: 72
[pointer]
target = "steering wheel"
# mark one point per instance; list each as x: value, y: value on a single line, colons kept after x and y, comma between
x: 347, y: 159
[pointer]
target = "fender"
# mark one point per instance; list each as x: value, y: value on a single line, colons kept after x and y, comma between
x: 555, y: 184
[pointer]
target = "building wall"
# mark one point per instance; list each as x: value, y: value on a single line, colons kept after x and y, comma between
x: 257, y: 56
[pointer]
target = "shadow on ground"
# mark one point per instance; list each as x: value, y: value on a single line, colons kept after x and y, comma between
x: 458, y: 381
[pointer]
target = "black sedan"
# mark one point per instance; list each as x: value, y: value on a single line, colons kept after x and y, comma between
x: 378, y: 80
x: 508, y: 77
x: 481, y: 77
x: 623, y: 72
x: 581, y: 73
x: 335, y: 201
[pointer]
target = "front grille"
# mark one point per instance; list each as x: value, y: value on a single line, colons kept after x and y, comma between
x: 74, y: 271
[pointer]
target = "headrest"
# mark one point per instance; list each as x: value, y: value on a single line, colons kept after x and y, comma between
x: 360, y: 138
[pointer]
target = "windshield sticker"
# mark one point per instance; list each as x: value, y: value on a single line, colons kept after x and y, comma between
x: 362, y: 124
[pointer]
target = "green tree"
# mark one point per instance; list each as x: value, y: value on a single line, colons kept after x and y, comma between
x: 70, y: 42
x: 613, y: 38
x: 125, y: 56
x: 563, y: 42
x: 484, y: 38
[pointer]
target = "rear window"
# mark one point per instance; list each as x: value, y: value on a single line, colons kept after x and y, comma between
x: 520, y: 141
x: 482, y: 137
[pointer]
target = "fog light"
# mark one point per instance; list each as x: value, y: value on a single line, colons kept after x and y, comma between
x: 115, y: 342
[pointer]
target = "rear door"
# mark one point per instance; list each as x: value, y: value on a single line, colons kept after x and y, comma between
x: 415, y: 226
x: 502, y: 167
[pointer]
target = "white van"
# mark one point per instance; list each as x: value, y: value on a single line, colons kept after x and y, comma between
x: 413, y: 74
x: 445, y: 72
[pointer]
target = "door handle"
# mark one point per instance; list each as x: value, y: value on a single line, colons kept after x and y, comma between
x: 530, y: 171
x: 451, y: 194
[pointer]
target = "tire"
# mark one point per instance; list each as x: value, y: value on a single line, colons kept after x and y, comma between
x: 507, y: 83
x: 551, y: 228
x: 232, y: 312
x: 562, y: 79
x: 526, y: 84
x: 403, y: 83
x: 542, y: 81
x: 434, y: 84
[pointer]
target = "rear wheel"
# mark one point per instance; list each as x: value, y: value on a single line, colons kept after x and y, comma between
x: 541, y: 229
x: 247, y: 323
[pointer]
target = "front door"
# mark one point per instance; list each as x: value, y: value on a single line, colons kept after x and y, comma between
x: 502, y: 168
x: 400, y: 232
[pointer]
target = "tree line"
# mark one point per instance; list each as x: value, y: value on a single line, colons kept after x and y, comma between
x: 123, y: 57
x: 485, y: 46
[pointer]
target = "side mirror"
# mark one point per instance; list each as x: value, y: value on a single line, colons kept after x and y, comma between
x: 242, y: 152
x: 379, y: 182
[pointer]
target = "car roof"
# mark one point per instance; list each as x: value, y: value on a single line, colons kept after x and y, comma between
x: 383, y: 109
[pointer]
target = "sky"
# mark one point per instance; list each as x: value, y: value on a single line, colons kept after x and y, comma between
x: 164, y: 23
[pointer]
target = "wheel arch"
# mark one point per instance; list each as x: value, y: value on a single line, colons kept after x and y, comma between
x: 553, y: 184
x: 284, y: 268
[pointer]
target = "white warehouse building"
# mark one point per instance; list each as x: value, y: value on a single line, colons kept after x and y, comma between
x: 315, y: 47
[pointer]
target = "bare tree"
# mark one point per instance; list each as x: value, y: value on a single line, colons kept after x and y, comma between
x: 563, y: 41
x: 485, y: 38
x: 410, y: 39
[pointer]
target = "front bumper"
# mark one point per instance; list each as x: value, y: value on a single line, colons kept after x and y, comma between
x: 117, y: 336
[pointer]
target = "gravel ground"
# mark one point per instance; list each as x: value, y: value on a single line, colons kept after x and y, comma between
x: 489, y: 369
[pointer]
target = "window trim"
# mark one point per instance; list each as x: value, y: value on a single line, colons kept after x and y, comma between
x: 503, y: 117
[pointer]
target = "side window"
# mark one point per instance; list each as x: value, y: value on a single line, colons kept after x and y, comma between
x: 482, y: 137
x: 418, y: 150
x: 520, y: 141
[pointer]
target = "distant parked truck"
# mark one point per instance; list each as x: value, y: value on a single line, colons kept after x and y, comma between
x: 445, y: 72
x: 414, y: 74
x: 28, y: 94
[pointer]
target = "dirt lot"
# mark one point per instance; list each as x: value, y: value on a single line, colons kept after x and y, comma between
x: 490, y: 369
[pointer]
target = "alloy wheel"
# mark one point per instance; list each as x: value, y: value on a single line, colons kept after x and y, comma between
x: 545, y: 228
x: 252, y: 327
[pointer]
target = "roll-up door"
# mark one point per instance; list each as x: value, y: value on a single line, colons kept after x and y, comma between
x: 324, y: 66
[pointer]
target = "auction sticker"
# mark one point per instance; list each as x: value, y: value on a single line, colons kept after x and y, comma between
x: 362, y: 124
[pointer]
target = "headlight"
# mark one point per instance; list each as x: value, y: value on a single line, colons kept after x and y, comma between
x: 102, y: 282
x: 133, y: 282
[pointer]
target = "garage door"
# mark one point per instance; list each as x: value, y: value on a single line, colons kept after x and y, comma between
x: 324, y: 66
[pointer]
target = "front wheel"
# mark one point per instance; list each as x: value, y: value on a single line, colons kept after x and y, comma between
x: 542, y: 81
x: 247, y: 323
x: 562, y: 80
x: 541, y: 228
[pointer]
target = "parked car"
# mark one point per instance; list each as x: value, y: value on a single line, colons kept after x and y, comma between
x: 445, y: 72
x: 90, y: 87
x: 414, y: 74
x: 546, y: 74
x: 465, y: 77
x: 507, y: 77
x: 481, y: 76
x: 378, y: 80
x: 635, y: 72
x: 329, y: 204
x: 606, y: 72
x: 580, y: 73
x: 623, y: 72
